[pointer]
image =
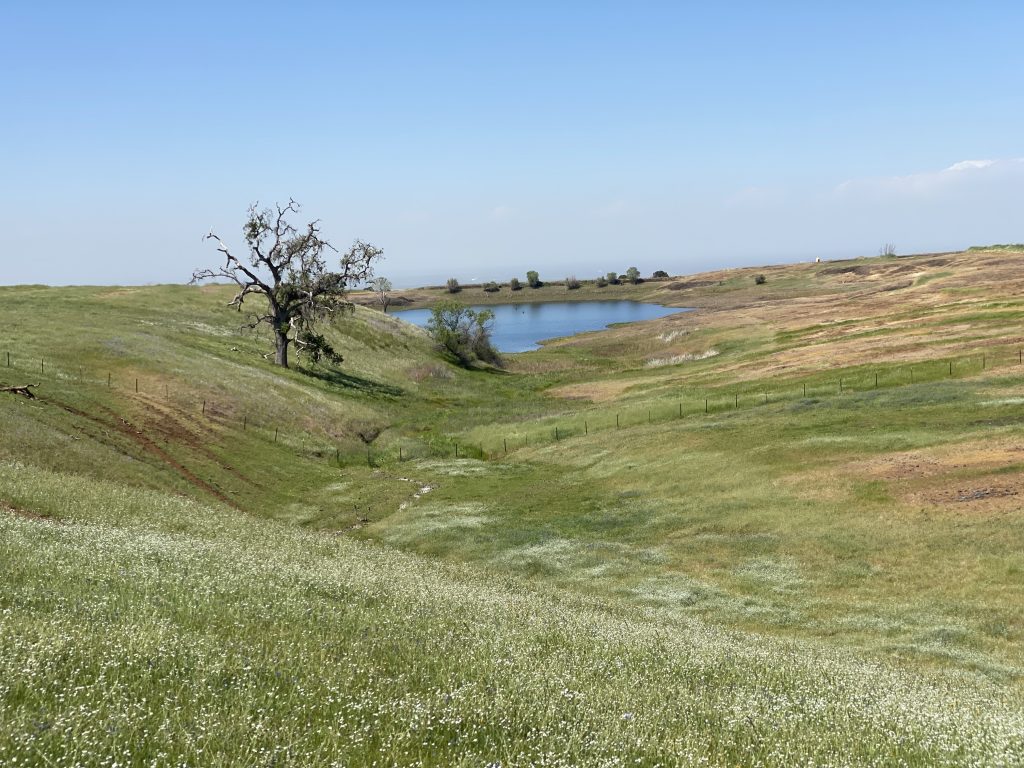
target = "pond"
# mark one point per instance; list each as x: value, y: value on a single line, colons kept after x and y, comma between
x: 520, y: 327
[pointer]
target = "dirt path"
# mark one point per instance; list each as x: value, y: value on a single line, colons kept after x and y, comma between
x: 148, y: 446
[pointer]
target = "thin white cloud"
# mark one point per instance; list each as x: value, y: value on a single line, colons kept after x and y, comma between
x: 502, y: 213
x: 969, y: 165
x: 957, y: 178
x: 615, y: 209
x: 754, y: 196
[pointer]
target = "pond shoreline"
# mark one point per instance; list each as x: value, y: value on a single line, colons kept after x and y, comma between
x: 527, y: 326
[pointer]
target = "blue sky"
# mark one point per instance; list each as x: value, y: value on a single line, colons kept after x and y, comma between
x: 481, y: 140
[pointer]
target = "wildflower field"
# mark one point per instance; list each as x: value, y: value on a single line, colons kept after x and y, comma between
x: 208, y: 561
x: 144, y: 629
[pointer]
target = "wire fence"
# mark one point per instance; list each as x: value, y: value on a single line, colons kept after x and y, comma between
x: 715, y: 400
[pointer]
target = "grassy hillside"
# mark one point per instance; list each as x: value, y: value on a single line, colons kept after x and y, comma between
x: 141, y: 628
x: 782, y: 529
x: 157, y: 387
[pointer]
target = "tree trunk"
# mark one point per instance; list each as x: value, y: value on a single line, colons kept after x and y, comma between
x: 281, y: 341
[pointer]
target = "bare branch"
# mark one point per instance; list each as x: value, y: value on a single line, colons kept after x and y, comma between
x: 25, y: 390
x: 300, y: 289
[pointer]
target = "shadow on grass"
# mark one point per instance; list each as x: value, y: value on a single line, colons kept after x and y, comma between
x: 353, y: 383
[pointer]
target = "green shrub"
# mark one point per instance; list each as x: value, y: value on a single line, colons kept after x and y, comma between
x: 491, y: 287
x: 601, y: 282
x: 612, y: 278
x: 464, y: 333
x: 633, y: 275
x: 453, y: 285
x: 660, y: 273
x: 515, y: 285
x: 533, y: 279
x: 760, y: 280
x: 571, y: 283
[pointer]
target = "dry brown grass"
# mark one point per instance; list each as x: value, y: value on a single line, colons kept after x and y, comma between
x: 845, y: 314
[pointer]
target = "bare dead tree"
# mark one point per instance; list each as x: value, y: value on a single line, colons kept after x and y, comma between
x: 887, y: 250
x: 382, y: 287
x: 25, y: 390
x: 287, y: 268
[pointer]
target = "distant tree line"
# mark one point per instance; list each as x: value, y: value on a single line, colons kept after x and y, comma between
x: 572, y: 283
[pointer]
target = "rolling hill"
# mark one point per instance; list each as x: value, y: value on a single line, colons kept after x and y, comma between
x: 784, y: 529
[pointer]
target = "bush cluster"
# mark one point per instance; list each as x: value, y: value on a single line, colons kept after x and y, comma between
x: 463, y: 333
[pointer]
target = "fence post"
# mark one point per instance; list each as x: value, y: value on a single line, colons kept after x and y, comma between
x: 705, y: 405
x: 204, y: 410
x: 983, y: 361
x: 399, y: 453
x: 8, y: 359
x: 766, y: 398
x: 950, y: 367
x: 680, y: 410
x: 108, y: 379
x: 504, y: 441
x: 245, y: 423
x: 456, y: 450
x: 840, y: 383
x: 876, y: 381
x: 586, y: 427
x: 556, y: 433
x: 616, y: 421
x: 736, y: 400
x: 911, y: 374
x: 136, y: 386
x: 805, y: 389
x: 275, y: 435
x: 42, y: 367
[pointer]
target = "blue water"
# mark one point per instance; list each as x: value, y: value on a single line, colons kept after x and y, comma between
x: 520, y: 327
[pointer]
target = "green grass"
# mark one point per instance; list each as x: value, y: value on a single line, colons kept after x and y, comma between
x: 700, y: 498
x: 146, y: 629
x: 267, y: 581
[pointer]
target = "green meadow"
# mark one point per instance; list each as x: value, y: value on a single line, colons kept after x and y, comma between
x: 784, y: 529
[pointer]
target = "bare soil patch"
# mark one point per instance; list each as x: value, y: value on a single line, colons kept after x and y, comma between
x: 26, y: 513
x: 150, y: 448
x: 975, y: 476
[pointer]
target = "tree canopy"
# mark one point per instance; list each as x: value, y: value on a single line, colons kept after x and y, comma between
x: 286, y: 266
x: 382, y: 287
